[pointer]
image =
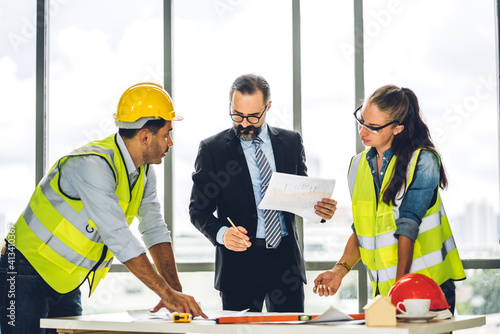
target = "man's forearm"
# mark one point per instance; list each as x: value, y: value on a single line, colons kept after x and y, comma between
x: 144, y: 270
x: 163, y: 257
x: 171, y: 299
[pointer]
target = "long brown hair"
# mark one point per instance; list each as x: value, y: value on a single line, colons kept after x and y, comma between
x: 401, y: 104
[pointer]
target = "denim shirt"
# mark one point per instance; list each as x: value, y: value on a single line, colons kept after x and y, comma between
x: 420, y: 195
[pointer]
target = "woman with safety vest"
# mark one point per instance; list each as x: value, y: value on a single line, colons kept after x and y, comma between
x: 400, y: 225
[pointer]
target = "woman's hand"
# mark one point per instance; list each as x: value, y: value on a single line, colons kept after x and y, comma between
x: 328, y: 283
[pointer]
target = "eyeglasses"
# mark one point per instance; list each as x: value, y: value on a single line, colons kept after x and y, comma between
x: 373, y: 129
x: 250, y: 119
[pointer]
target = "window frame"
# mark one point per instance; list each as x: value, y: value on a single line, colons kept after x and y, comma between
x: 42, y: 112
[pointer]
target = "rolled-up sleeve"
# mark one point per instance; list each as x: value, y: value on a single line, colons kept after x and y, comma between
x: 152, y: 225
x: 419, y: 195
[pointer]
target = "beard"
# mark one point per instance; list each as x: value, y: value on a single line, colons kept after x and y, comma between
x: 154, y: 154
x: 247, y: 134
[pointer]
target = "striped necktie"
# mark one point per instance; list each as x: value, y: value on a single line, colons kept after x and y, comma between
x: 271, y: 218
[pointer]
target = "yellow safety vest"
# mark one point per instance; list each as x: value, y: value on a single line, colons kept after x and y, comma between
x: 435, y: 253
x: 55, y: 233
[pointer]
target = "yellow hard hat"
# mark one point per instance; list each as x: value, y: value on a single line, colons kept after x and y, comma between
x: 142, y: 102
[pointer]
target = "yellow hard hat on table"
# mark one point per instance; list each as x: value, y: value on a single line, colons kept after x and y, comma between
x: 143, y: 102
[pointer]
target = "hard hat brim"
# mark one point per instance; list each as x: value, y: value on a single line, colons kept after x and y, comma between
x: 141, y: 122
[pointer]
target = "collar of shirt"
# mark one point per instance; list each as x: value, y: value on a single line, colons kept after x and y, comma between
x: 372, y: 153
x: 378, y: 177
x: 129, y: 163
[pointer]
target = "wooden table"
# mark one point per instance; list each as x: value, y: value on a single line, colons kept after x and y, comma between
x: 125, y: 324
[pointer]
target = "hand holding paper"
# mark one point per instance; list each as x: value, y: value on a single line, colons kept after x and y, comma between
x: 326, y: 208
x: 296, y: 194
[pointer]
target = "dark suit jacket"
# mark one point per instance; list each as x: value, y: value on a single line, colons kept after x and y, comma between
x: 222, y: 183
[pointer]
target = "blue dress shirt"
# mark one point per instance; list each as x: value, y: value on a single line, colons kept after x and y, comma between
x: 91, y: 179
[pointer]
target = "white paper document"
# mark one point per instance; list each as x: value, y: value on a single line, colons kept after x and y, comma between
x: 296, y: 194
x: 331, y: 315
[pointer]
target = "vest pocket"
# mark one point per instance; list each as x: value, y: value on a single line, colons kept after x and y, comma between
x: 68, y: 248
x: 75, y: 239
x: 363, y: 212
x: 48, y: 253
x: 385, y: 222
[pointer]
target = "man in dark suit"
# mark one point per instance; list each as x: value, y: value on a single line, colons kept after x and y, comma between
x: 248, y: 269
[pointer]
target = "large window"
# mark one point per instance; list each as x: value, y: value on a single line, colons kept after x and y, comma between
x: 91, y: 65
x: 214, y: 43
x: 450, y: 63
x: 444, y: 51
x: 17, y: 124
x: 327, y: 41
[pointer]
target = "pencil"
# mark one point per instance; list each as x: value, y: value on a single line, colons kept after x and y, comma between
x: 236, y: 228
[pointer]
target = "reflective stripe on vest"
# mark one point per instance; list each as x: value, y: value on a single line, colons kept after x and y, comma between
x: 353, y: 171
x: 55, y: 232
x: 418, y: 264
x: 78, y: 219
x: 387, y: 239
x: 435, y: 253
x: 57, y: 245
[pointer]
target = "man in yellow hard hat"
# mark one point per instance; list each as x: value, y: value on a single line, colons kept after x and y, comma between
x: 78, y: 220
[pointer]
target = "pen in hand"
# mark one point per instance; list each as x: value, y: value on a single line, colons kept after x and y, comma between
x: 229, y: 219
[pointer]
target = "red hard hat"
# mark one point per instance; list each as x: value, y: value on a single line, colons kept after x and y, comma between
x: 418, y: 286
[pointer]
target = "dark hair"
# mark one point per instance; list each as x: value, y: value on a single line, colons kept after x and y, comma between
x: 249, y: 84
x: 402, y: 105
x: 152, y: 126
